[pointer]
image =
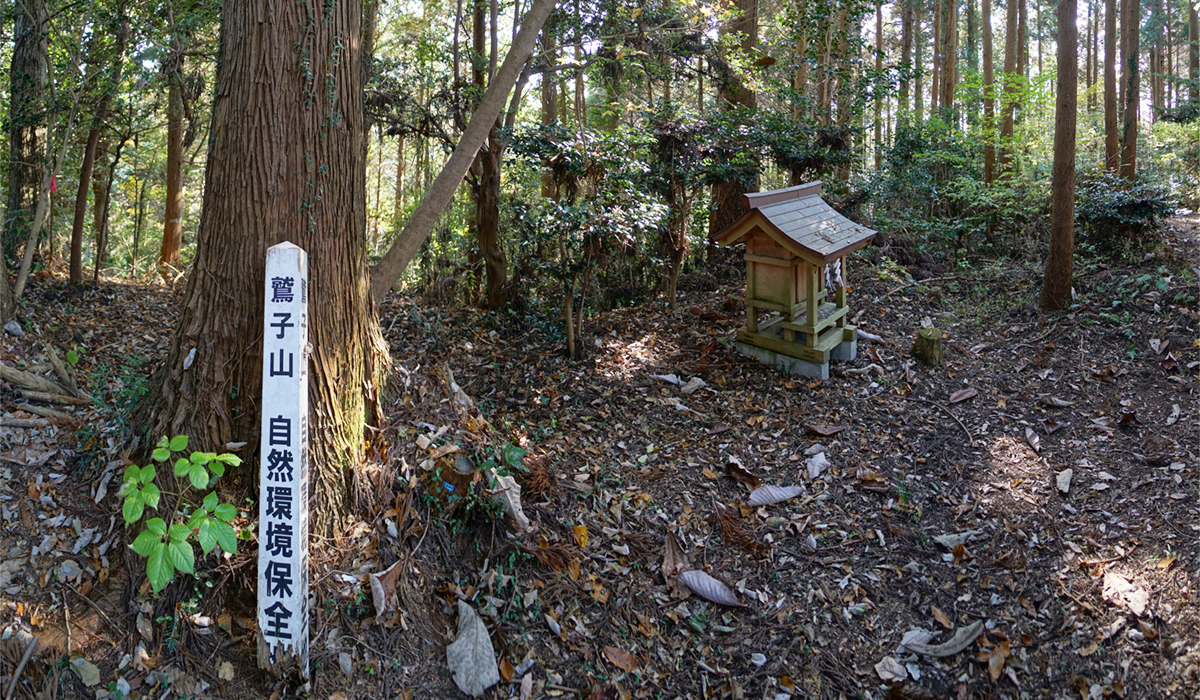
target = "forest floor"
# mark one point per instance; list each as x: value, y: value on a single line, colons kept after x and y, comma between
x: 941, y: 515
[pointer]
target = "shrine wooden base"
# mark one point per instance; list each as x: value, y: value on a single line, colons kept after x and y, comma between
x: 769, y: 347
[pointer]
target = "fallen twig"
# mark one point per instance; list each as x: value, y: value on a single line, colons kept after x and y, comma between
x: 970, y: 438
x: 54, y: 398
x: 29, y: 380
x: 12, y: 687
x: 9, y: 422
x: 50, y: 413
x: 61, y: 370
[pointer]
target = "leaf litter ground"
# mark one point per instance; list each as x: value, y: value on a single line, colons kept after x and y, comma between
x: 917, y: 539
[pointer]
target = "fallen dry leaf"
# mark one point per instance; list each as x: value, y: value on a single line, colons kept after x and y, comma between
x: 942, y: 618
x: 997, y: 659
x: 1034, y: 441
x: 963, y: 394
x: 741, y: 475
x: 621, y: 658
x: 961, y: 640
x: 766, y: 495
x: 709, y: 588
x: 674, y: 563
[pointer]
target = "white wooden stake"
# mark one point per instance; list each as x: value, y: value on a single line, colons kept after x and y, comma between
x: 283, y: 473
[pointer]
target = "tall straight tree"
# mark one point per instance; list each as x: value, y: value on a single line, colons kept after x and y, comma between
x: 989, y: 97
x: 878, y: 71
x: 1131, y: 77
x: 1056, y: 286
x: 1193, y: 56
x: 172, y: 238
x: 27, y: 77
x: 1112, y: 143
x: 284, y: 164
x: 906, y: 54
x: 117, y: 61
x: 734, y: 95
x: 949, y: 52
x: 1012, y: 50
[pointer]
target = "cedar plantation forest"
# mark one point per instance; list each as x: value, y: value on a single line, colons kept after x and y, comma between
x: 543, y: 461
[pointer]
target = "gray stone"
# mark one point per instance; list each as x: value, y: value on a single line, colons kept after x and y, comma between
x: 791, y: 365
x: 846, y: 350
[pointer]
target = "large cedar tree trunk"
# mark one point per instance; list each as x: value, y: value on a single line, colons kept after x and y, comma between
x: 1056, y: 287
x: 1131, y: 79
x: 284, y: 164
x: 26, y: 121
x: 733, y: 93
x: 172, y: 238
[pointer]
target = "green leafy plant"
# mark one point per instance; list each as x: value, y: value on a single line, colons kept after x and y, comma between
x: 167, y: 544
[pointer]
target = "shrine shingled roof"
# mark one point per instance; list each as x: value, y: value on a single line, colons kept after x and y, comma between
x: 798, y: 219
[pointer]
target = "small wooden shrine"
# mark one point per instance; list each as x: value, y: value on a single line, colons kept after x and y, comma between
x: 796, y: 249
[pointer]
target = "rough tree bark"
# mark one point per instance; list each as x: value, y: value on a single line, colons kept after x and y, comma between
x: 26, y: 121
x: 1193, y: 55
x: 989, y: 98
x: 1056, y: 287
x: 879, y: 71
x: 1112, y: 147
x: 284, y: 164
x: 733, y: 94
x: 949, y: 51
x: 1132, y: 80
x: 441, y: 192
x: 906, y: 52
x: 1012, y: 51
x: 172, y: 239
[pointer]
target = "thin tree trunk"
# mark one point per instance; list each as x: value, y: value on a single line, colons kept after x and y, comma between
x: 377, y: 212
x: 878, y: 92
x: 441, y: 192
x: 137, y: 228
x: 733, y: 94
x: 949, y: 51
x: 1112, y: 157
x: 1132, y: 80
x: 935, y: 76
x: 1056, y: 287
x: 1012, y: 49
x: 549, y: 101
x: 28, y: 75
x: 1193, y: 56
x: 81, y: 201
x: 918, y: 60
x: 972, y: 38
x: 906, y: 53
x: 398, y: 202
x: 1023, y: 39
x: 102, y: 227
x: 989, y: 97
x: 172, y: 239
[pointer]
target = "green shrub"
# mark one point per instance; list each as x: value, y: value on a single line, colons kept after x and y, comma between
x: 1110, y: 209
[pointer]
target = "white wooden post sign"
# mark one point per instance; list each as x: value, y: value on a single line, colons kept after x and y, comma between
x: 283, y: 472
